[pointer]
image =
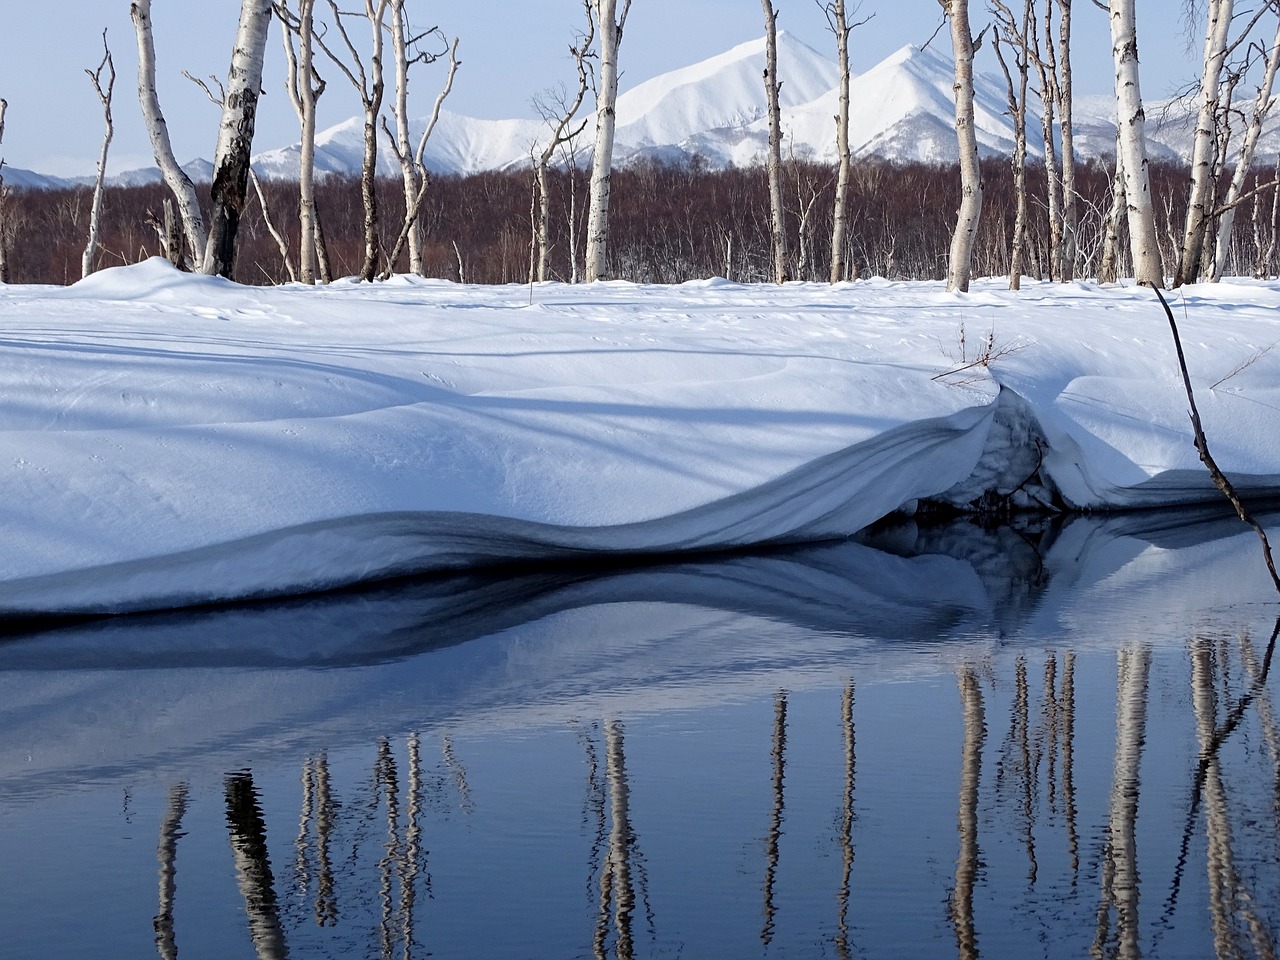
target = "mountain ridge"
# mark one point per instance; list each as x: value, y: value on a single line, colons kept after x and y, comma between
x: 901, y: 109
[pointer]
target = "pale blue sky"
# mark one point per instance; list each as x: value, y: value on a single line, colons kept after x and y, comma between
x: 510, y: 51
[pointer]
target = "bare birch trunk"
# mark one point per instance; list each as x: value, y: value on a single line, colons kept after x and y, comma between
x: 235, y: 137
x: 840, y: 26
x: 1017, y: 37
x: 1066, y: 127
x: 95, y: 210
x: 777, y: 214
x: 1108, y: 269
x: 4, y: 197
x: 609, y: 27
x: 1261, y: 107
x: 1201, y: 202
x: 960, y: 264
x: 370, y: 86
x: 175, y: 178
x: 281, y: 243
x: 560, y: 134
x: 1047, y: 68
x: 414, y: 172
x: 1143, y: 242
x: 305, y: 86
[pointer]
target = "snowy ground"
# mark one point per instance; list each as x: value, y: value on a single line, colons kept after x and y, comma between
x: 167, y: 440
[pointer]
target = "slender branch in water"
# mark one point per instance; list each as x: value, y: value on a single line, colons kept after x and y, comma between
x: 1202, y: 445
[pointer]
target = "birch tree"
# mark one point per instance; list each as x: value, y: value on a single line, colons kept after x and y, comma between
x: 772, y: 86
x: 369, y: 86
x: 1203, y: 198
x: 1046, y: 61
x: 4, y: 203
x: 305, y: 86
x: 609, y: 25
x: 840, y: 26
x: 413, y: 168
x: 104, y: 82
x: 175, y: 177
x: 562, y: 132
x: 959, y: 266
x: 1066, y: 128
x: 1131, y: 119
x: 235, y: 137
x: 1248, y: 148
x: 406, y: 51
x: 1014, y: 32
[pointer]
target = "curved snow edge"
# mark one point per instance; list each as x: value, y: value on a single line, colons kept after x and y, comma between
x: 832, y: 497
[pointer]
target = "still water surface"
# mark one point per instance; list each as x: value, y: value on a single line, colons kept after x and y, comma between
x: 956, y: 742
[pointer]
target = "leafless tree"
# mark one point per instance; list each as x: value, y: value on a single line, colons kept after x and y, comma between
x: 1066, y: 128
x: 4, y: 204
x: 175, y: 177
x: 1045, y: 58
x: 1261, y: 107
x: 1143, y: 242
x: 1202, y: 200
x: 772, y: 85
x: 1108, y: 267
x: 838, y: 21
x: 609, y: 26
x: 407, y: 50
x: 1014, y: 32
x: 305, y: 85
x: 104, y: 82
x: 562, y: 132
x: 960, y: 265
x: 369, y: 86
x: 235, y: 137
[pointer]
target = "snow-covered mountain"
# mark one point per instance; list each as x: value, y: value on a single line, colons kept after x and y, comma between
x: 901, y: 109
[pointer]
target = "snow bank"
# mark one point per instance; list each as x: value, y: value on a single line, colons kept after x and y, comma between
x: 167, y: 440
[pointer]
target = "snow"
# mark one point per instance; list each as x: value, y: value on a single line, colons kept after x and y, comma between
x: 168, y: 440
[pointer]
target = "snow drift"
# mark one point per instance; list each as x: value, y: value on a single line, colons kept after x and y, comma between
x: 171, y: 440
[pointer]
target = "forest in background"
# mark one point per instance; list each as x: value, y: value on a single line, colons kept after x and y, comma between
x: 670, y: 223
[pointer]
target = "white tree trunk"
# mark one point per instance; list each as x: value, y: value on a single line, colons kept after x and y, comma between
x: 777, y: 213
x: 1261, y: 107
x: 4, y: 196
x: 609, y: 27
x: 1143, y: 242
x: 179, y: 183
x: 1016, y: 33
x: 304, y: 86
x: 95, y: 211
x: 960, y: 264
x: 414, y: 172
x: 840, y: 26
x: 1066, y: 126
x: 235, y: 137
x: 1204, y: 148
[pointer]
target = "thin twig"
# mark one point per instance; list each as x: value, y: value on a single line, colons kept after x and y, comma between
x: 1202, y: 445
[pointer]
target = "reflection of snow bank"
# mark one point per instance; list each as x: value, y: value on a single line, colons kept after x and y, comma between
x: 166, y: 440
x: 212, y: 690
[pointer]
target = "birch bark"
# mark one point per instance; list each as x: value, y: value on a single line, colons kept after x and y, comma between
x: 235, y: 137
x: 1204, y: 148
x: 175, y: 177
x: 609, y: 27
x: 960, y: 264
x: 1143, y: 242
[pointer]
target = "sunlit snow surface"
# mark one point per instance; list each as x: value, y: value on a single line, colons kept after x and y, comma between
x: 169, y: 440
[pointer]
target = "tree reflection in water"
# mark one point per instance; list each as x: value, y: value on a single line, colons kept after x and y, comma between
x: 1075, y: 791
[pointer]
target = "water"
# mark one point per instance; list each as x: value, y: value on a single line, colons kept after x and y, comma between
x: 1046, y: 743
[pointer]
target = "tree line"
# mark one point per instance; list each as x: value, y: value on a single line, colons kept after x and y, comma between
x: 670, y: 223
x: 1059, y: 217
